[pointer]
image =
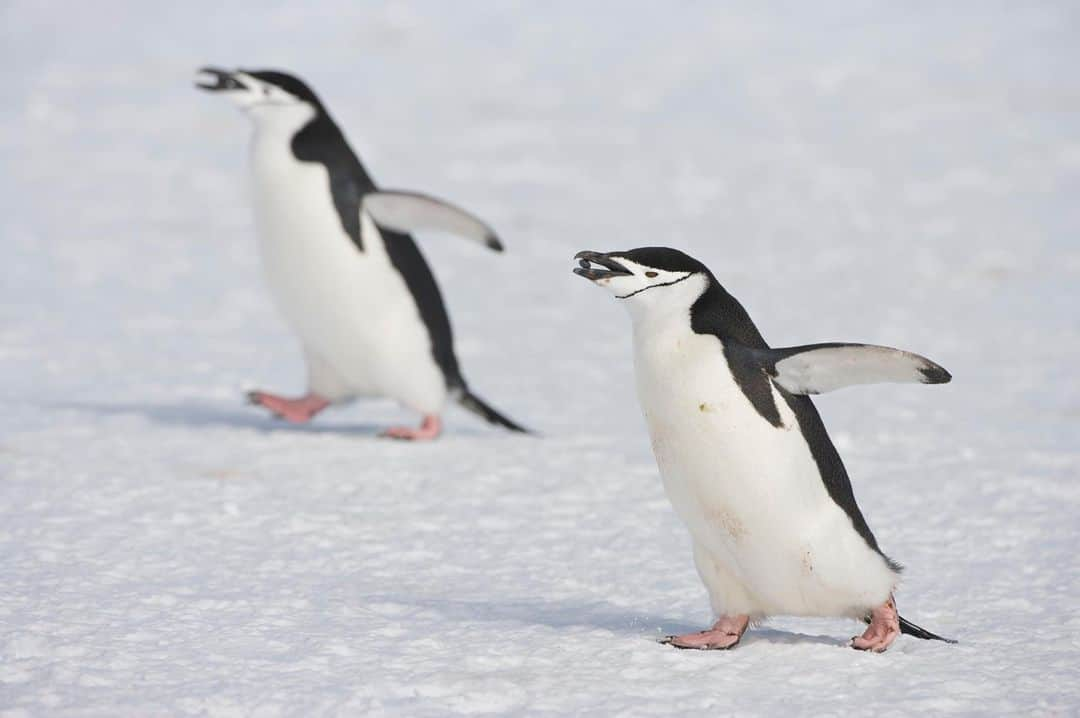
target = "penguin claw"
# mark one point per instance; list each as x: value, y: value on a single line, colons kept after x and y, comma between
x: 884, y: 628
x: 295, y: 411
x: 724, y: 635
x: 429, y: 429
x: 670, y: 641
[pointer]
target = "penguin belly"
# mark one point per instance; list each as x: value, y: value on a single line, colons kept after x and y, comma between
x: 768, y: 538
x: 352, y: 310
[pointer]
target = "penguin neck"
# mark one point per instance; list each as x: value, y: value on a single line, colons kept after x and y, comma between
x: 702, y: 306
x: 279, y: 124
x: 665, y: 311
x: 272, y: 156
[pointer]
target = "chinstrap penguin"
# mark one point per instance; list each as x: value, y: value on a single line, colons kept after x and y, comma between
x: 341, y: 264
x: 744, y: 456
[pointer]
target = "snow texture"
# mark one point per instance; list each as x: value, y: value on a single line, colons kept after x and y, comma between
x: 897, y: 173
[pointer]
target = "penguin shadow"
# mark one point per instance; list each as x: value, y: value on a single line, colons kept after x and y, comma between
x: 553, y: 614
x: 599, y: 615
x: 244, y: 416
x: 207, y: 415
x: 790, y: 638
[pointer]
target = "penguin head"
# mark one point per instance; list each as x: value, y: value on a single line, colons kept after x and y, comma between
x: 647, y: 278
x: 266, y: 95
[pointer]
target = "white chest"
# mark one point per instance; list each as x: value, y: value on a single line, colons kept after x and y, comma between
x: 727, y: 471
x: 750, y: 493
x: 352, y: 308
x: 297, y: 222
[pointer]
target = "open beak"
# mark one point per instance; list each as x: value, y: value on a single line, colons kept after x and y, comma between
x: 212, y: 79
x: 611, y: 268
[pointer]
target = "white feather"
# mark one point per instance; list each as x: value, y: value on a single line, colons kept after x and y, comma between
x: 353, y: 312
x: 768, y: 538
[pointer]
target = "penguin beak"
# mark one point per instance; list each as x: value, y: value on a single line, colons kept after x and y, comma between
x: 212, y: 79
x: 611, y: 268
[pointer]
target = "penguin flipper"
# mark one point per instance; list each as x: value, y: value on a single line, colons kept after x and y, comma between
x: 818, y: 368
x: 406, y: 212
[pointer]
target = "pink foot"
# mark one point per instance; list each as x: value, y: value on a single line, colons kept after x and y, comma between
x: 724, y: 634
x: 295, y: 411
x: 883, y: 629
x: 430, y: 428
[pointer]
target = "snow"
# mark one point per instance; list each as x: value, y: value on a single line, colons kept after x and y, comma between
x: 903, y: 174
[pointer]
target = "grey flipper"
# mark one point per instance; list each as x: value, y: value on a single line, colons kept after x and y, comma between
x: 415, y: 212
x: 818, y: 368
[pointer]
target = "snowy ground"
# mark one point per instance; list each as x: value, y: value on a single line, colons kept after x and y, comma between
x: 889, y: 172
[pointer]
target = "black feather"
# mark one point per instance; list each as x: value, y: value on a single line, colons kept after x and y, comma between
x: 935, y: 374
x: 718, y: 313
x: 910, y: 629
x: 322, y: 141
x: 476, y: 405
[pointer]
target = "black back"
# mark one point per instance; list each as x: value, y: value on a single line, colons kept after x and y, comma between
x: 718, y: 313
x: 322, y: 141
x: 290, y: 83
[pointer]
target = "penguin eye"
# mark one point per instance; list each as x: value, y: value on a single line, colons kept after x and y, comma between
x: 650, y: 275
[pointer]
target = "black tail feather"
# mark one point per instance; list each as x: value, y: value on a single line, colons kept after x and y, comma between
x: 477, y: 406
x: 911, y: 629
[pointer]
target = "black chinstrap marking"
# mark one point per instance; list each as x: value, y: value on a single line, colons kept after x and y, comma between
x: 654, y: 286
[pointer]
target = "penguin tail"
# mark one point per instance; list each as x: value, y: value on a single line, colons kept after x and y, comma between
x: 911, y: 629
x: 482, y: 409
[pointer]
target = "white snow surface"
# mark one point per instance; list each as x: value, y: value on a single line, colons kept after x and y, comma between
x: 897, y: 173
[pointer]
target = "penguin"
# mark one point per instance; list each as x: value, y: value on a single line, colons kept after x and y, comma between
x: 342, y: 266
x: 744, y: 457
